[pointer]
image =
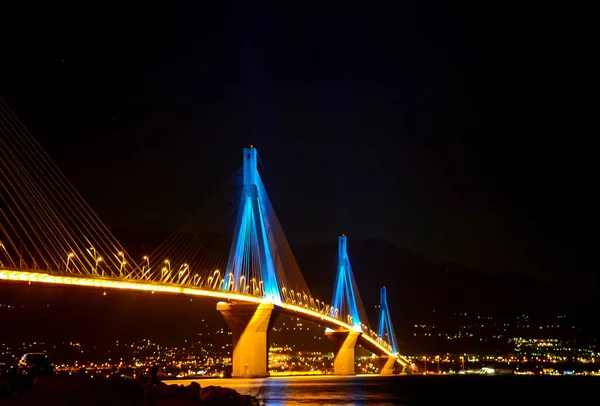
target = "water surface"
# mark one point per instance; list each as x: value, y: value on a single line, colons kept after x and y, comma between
x: 416, y: 390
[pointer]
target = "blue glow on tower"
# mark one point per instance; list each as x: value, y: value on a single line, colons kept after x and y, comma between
x: 344, y: 296
x: 385, y: 321
x: 252, y: 238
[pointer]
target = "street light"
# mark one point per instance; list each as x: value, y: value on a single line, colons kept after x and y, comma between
x: 71, y: 255
x: 463, y: 362
x: 3, y: 247
x: 165, y: 274
x: 437, y: 357
x: 181, y: 272
x: 216, y: 278
x: 99, y: 259
x: 143, y: 266
x: 425, y: 363
x: 122, y: 261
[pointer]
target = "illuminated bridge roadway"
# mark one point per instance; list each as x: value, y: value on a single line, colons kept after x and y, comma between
x: 258, y: 309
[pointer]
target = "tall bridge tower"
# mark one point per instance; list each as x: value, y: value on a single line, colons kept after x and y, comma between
x: 252, y: 236
x: 347, y: 305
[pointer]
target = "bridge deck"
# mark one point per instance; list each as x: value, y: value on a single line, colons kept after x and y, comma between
x: 147, y: 286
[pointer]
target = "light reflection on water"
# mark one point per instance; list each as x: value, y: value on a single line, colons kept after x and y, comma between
x: 415, y: 390
x: 312, y: 390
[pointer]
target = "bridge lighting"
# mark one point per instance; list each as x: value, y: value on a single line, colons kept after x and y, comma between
x: 164, y: 274
x: 71, y: 255
x: 94, y: 255
x: 215, y: 277
x: 152, y: 288
x: 98, y: 259
x: 147, y: 271
x: 230, y: 286
x: 120, y: 254
x: 182, y: 272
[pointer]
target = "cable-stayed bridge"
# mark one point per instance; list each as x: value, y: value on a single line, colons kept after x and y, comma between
x: 235, y: 251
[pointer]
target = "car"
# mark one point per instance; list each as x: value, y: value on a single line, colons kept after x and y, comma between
x: 35, y: 364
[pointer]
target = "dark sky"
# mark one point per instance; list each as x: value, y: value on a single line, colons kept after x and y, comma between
x: 453, y: 130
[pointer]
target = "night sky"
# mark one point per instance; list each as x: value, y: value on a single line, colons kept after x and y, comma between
x: 453, y: 131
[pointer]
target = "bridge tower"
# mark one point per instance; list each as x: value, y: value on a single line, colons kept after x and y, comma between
x: 250, y: 323
x: 385, y: 330
x: 347, y: 304
x: 251, y: 236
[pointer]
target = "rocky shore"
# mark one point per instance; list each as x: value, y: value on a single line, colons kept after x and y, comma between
x: 76, y: 391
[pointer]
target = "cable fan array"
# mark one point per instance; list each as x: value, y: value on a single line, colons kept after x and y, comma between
x: 45, y: 224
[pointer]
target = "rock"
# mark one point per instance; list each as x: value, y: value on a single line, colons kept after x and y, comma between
x: 76, y: 391
x: 217, y: 395
x: 192, y: 391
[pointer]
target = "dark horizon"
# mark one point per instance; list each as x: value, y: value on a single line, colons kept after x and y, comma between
x: 449, y: 131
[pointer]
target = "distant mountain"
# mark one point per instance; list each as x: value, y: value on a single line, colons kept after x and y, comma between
x: 415, y: 285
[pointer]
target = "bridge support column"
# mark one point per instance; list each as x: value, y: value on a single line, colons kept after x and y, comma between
x: 388, y: 367
x: 250, y: 325
x: 345, y: 343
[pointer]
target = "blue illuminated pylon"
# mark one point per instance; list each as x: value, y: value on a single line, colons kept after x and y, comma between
x: 345, y: 293
x: 251, y: 239
x: 385, y: 322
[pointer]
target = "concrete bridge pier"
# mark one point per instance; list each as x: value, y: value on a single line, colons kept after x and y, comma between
x: 250, y: 325
x: 388, y: 367
x: 345, y: 343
